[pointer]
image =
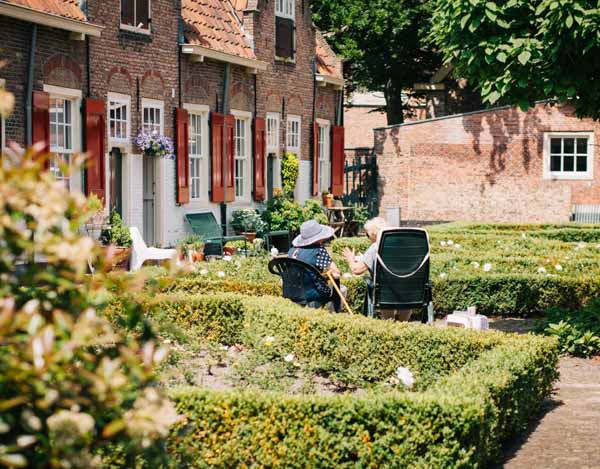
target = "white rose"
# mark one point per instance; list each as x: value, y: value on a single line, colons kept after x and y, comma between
x: 487, y: 267
x: 289, y: 358
x: 405, y: 376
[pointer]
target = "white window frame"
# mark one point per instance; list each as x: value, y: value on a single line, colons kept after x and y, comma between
x: 273, y: 142
x: 246, y: 117
x: 124, y: 100
x: 154, y: 104
x: 298, y: 146
x: 135, y: 29
x: 285, y: 9
x: 324, y: 154
x: 75, y: 97
x: 201, y: 111
x: 570, y: 175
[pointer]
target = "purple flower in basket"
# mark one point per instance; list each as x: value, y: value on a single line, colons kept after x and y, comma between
x: 155, y: 144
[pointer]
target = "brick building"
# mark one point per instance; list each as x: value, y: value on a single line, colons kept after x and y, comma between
x: 501, y: 165
x: 234, y: 84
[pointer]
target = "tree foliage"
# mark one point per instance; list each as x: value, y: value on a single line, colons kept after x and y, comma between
x: 383, y: 43
x: 520, y: 51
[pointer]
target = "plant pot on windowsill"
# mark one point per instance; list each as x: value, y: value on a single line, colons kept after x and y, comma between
x: 327, y: 199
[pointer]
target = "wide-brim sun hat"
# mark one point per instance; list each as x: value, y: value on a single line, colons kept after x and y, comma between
x: 312, y: 232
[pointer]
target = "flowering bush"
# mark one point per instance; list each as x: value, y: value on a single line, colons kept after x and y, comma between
x: 69, y: 384
x: 155, y: 145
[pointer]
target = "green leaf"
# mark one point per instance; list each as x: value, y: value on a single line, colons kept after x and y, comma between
x: 524, y: 57
x: 569, y: 21
x: 501, y: 57
x: 464, y: 21
x: 493, y: 97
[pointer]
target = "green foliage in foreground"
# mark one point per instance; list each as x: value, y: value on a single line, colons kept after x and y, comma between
x: 520, y: 51
x: 480, y: 390
x: 578, y: 332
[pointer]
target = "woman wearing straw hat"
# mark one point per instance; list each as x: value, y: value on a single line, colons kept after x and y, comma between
x: 309, y: 247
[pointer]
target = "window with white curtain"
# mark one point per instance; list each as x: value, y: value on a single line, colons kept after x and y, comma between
x: 293, y: 134
x: 198, y: 152
x: 324, y: 156
x: 152, y: 121
x: 273, y: 133
x: 242, y: 150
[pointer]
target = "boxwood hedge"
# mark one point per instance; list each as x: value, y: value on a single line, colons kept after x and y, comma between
x: 480, y: 389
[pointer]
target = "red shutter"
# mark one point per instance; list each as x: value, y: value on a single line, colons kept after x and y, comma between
x: 230, y: 158
x: 95, y: 130
x: 217, y: 123
x: 259, y: 159
x: 337, y: 161
x: 40, y: 119
x: 183, y: 157
x: 315, y: 190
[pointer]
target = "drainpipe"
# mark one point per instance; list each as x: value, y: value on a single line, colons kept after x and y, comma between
x: 225, y: 111
x: 314, y: 115
x: 29, y: 90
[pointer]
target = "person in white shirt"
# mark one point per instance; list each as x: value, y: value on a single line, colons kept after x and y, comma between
x: 366, y: 263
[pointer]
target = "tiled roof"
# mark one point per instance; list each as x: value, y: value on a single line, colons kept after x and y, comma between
x: 327, y: 62
x: 65, y: 8
x: 239, y: 5
x: 213, y: 24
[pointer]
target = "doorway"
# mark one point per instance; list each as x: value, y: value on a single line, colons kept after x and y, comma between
x: 116, y: 181
x: 149, y: 199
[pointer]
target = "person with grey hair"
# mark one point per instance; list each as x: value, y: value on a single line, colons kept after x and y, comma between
x: 366, y: 262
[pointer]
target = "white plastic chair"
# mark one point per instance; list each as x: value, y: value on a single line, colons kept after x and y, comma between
x: 141, y: 253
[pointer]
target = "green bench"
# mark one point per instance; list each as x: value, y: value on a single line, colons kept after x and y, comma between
x: 205, y: 225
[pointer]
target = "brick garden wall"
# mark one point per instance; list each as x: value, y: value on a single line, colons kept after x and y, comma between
x: 486, y: 166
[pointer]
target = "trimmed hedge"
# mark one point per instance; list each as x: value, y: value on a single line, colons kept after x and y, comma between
x: 480, y: 390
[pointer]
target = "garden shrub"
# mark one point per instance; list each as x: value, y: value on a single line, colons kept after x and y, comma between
x: 69, y: 383
x: 478, y: 391
x: 578, y: 332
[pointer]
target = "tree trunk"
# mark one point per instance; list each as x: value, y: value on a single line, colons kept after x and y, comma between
x: 394, y: 105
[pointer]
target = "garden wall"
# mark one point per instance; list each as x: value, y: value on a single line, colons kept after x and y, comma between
x: 482, y: 166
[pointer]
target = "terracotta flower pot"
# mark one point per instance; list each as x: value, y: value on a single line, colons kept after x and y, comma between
x: 119, y: 258
x: 198, y: 257
x: 229, y: 251
x: 250, y: 236
x: 327, y: 200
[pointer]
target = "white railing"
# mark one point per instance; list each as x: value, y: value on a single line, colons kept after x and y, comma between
x: 586, y: 213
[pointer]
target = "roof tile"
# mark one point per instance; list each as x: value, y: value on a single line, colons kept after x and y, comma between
x: 65, y: 8
x: 213, y: 24
x: 327, y: 62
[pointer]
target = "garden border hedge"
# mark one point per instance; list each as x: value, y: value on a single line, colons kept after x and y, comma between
x: 459, y: 420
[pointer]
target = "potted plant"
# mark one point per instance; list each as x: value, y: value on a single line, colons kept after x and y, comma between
x: 247, y: 222
x: 327, y: 199
x: 118, y: 236
x: 231, y: 247
x: 96, y: 219
x: 192, y: 248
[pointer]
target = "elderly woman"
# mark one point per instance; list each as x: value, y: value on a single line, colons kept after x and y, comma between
x: 309, y: 247
x: 366, y: 262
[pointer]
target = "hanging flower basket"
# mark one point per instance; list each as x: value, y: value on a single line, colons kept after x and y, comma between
x: 155, y: 145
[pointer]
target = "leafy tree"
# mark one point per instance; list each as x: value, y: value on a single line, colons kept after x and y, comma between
x: 520, y: 51
x: 383, y: 43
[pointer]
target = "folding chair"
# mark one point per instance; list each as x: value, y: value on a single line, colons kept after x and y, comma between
x: 401, y: 278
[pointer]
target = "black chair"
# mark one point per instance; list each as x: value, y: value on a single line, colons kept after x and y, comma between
x: 298, y: 277
x: 401, y: 278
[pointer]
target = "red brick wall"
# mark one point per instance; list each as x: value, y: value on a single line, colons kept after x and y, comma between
x: 59, y: 61
x: 359, y: 123
x: 487, y: 166
x: 124, y: 62
x: 286, y: 88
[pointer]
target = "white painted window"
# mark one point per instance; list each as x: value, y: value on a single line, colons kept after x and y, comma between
x: 568, y: 155
x: 242, y: 150
x: 64, y: 130
x: 293, y: 134
x: 118, y: 118
x: 198, y: 151
x: 152, y: 116
x: 324, y: 156
x: 135, y: 15
x: 285, y: 8
x: 273, y: 133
